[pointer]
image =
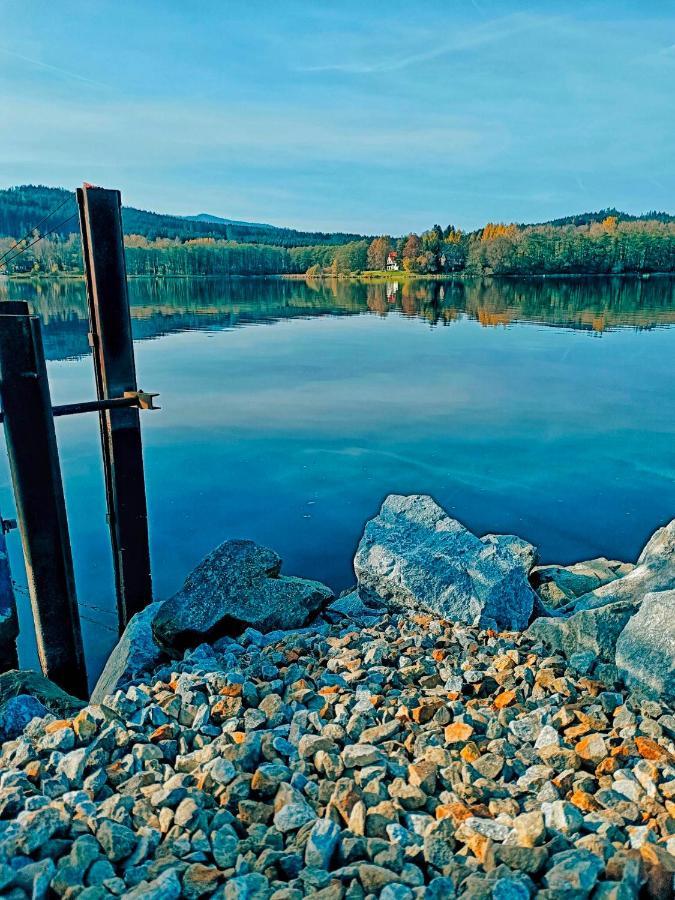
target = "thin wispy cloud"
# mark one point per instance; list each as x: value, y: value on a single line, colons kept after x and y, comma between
x: 470, y: 111
x: 490, y: 32
x: 51, y: 68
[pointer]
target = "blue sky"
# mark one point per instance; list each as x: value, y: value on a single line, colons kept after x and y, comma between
x: 373, y: 117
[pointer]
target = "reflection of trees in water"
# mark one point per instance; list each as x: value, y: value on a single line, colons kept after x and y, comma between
x: 160, y: 306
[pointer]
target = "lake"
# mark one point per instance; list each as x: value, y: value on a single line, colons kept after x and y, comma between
x: 290, y: 409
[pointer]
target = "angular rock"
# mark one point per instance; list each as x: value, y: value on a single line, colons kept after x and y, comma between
x: 645, y: 650
x: 557, y: 585
x: 321, y: 843
x: 589, y: 630
x: 573, y: 870
x: 654, y: 571
x: 117, y: 840
x: 413, y: 555
x: 136, y: 652
x: 17, y: 712
x: 165, y: 887
x: 22, y: 682
x: 235, y: 586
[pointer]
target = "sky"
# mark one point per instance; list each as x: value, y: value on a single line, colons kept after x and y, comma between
x: 369, y: 117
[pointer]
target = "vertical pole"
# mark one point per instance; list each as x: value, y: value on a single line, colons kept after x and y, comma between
x: 9, y: 622
x: 115, y: 370
x: 40, y: 504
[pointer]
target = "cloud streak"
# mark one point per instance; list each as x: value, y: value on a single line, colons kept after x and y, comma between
x: 49, y: 67
x: 491, y: 32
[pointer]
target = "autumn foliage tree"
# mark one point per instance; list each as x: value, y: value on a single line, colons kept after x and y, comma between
x: 378, y: 251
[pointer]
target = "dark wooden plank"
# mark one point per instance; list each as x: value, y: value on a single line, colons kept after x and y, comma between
x: 115, y: 371
x: 40, y: 504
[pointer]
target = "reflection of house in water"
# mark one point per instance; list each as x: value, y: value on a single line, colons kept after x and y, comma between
x: 392, y: 291
x: 392, y: 261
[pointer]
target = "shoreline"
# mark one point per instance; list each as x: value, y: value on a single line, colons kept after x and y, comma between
x: 374, y: 277
x: 253, y: 737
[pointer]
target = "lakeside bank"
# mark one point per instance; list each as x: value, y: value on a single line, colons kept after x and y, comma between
x: 252, y: 737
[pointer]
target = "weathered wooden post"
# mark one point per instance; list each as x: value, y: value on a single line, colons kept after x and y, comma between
x: 115, y: 371
x: 40, y: 504
x: 9, y: 622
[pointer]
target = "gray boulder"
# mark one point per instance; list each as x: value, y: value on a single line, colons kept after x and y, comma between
x: 236, y: 586
x: 645, y: 650
x: 558, y: 585
x: 413, y: 555
x: 17, y: 712
x: 654, y: 571
x: 594, y: 630
x: 594, y: 621
x: 136, y: 652
x: 24, y: 682
x: 353, y: 608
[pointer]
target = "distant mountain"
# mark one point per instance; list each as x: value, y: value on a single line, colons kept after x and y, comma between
x: 219, y: 220
x: 24, y: 206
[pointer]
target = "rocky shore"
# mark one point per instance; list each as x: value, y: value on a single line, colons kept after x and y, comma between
x: 463, y: 724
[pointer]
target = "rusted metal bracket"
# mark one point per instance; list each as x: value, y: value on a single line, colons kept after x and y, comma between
x: 130, y: 400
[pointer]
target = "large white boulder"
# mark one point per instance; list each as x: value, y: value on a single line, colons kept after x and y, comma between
x: 645, y: 650
x: 414, y: 555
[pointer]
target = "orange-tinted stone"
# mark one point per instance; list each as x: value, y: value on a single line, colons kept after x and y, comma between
x: 32, y: 770
x: 478, y: 844
x: 470, y: 752
x: 329, y: 689
x: 608, y: 766
x: 426, y: 710
x: 57, y: 725
x: 458, y: 732
x: 228, y: 706
x: 592, y: 748
x: 231, y: 690
x: 577, y: 731
x: 649, y: 749
x: 506, y: 698
x: 163, y: 733
x: 458, y: 812
x: 585, y: 802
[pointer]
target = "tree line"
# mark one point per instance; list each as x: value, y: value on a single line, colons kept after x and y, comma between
x: 607, y: 247
x: 600, y: 245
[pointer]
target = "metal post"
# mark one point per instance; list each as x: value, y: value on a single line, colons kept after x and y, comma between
x: 40, y: 504
x: 115, y: 370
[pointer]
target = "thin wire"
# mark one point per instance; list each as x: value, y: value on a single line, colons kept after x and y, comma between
x: 46, y: 234
x: 29, y: 233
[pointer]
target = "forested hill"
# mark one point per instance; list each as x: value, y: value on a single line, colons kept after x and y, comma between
x: 22, y: 207
x: 158, y: 245
x: 590, y: 218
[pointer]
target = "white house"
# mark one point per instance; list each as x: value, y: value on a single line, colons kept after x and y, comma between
x: 392, y: 261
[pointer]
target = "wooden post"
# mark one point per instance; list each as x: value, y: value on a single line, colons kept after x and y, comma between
x: 40, y: 504
x: 115, y: 371
x: 9, y: 622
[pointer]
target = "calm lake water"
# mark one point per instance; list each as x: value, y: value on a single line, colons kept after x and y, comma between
x: 290, y: 409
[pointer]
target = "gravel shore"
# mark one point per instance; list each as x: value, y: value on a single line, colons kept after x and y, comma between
x: 389, y: 755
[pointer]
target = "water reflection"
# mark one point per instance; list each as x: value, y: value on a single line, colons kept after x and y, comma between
x: 545, y: 408
x: 165, y: 306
